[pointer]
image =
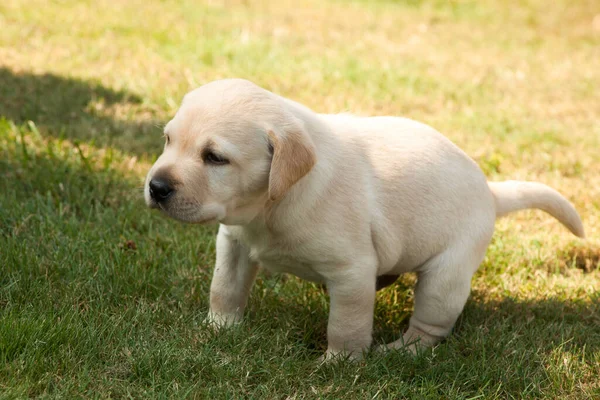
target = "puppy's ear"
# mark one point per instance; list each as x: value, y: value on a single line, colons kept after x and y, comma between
x: 293, y: 157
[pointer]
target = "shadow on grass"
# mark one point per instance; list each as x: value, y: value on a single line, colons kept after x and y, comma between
x: 75, y: 217
x: 508, y: 328
x: 77, y: 110
x: 541, y: 323
x: 500, y: 348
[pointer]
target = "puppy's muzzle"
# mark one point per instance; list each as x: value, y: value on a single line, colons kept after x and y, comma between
x: 160, y: 190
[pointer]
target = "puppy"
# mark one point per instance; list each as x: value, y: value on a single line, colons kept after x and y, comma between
x: 346, y: 201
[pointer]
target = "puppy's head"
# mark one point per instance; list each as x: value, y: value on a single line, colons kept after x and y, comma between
x: 230, y: 148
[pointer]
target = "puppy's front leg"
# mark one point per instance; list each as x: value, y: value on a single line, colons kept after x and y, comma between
x: 232, y: 280
x: 352, y: 303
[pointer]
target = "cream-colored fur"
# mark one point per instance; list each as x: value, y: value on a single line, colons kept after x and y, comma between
x: 336, y: 199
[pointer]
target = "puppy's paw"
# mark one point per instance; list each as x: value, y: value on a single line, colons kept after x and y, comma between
x: 219, y: 321
x: 398, y: 345
x: 414, y: 341
x: 332, y: 356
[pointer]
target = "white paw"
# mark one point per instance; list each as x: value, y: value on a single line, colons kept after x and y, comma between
x: 221, y: 320
x: 335, y: 356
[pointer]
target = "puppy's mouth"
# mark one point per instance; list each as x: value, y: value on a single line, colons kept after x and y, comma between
x: 190, y: 213
x: 184, y: 209
x: 154, y: 204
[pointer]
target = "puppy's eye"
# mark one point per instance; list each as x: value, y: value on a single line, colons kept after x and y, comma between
x: 215, y: 159
x: 168, y: 139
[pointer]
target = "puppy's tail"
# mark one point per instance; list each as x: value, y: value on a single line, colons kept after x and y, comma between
x: 518, y: 195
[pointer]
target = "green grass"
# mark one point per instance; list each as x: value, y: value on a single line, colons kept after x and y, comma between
x: 100, y: 297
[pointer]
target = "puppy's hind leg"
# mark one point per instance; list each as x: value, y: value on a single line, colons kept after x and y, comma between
x: 442, y: 289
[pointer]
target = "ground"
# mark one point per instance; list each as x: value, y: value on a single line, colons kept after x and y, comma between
x: 101, y: 297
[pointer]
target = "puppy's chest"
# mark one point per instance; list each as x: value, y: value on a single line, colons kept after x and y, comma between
x: 279, y: 256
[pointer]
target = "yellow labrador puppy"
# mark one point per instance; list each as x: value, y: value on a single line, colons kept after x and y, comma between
x: 347, y: 201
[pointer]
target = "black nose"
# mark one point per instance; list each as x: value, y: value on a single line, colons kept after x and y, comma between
x: 160, y: 190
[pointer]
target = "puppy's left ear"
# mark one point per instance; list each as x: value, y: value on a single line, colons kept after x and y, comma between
x: 293, y: 157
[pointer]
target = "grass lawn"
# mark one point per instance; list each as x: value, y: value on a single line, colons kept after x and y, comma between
x: 101, y: 297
